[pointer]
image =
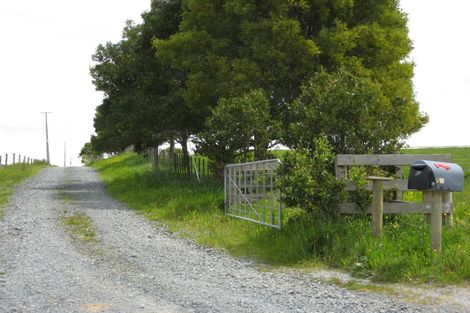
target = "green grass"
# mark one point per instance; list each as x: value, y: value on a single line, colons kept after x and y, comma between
x: 196, y: 210
x: 363, y: 287
x: 11, y: 176
x: 79, y: 226
x: 460, y: 155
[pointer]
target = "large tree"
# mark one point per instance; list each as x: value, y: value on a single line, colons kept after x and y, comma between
x: 350, y: 111
x: 167, y: 76
x: 369, y: 39
x: 229, y: 48
x: 141, y: 106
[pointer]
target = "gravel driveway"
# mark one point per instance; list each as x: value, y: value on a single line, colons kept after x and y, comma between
x: 137, y: 266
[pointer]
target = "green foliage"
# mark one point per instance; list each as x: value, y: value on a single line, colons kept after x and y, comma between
x: 89, y: 152
x: 80, y: 227
x: 138, y: 89
x: 237, y: 125
x: 360, y: 196
x: 307, y: 180
x: 186, y: 56
x: 350, y: 110
x: 11, y: 176
x: 227, y: 49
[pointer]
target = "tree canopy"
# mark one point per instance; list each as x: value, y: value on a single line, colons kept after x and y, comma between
x: 231, y: 72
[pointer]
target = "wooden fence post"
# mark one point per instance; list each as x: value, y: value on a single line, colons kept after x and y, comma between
x: 447, y: 218
x: 377, y: 207
x: 377, y: 204
x: 14, y: 156
x: 155, y: 158
x: 6, y: 160
x: 0, y: 160
x: 399, y: 193
x: 436, y: 221
x: 427, y: 200
x: 175, y: 164
x: 199, y: 166
x: 189, y: 164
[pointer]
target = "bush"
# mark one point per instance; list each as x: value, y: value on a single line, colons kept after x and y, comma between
x: 361, y: 196
x: 307, y: 180
x: 237, y: 126
x: 352, y: 112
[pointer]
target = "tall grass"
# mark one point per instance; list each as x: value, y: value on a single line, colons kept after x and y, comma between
x: 196, y: 210
x: 12, y: 175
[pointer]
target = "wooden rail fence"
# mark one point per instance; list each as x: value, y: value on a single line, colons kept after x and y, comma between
x: 437, y: 205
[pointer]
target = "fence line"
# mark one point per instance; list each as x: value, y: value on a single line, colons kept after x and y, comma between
x: 192, y: 165
x: 436, y: 204
x: 16, y: 159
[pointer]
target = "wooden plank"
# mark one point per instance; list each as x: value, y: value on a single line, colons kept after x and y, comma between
x: 395, y: 208
x: 397, y: 184
x: 341, y: 172
x: 388, y: 159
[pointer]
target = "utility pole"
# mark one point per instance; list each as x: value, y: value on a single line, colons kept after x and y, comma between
x: 47, y: 138
x: 65, y: 153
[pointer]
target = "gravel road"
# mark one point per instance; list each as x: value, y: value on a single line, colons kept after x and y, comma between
x: 137, y: 266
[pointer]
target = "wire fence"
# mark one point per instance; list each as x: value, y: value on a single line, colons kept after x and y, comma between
x: 193, y: 165
x: 14, y: 158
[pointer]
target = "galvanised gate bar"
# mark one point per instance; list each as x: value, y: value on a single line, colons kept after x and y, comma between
x: 251, y: 193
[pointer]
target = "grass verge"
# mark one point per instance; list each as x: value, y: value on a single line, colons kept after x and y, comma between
x: 11, y: 176
x: 195, y: 210
x: 79, y: 226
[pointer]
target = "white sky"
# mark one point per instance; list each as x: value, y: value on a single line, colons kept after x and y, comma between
x: 46, y: 48
x: 45, y: 55
x: 440, y: 31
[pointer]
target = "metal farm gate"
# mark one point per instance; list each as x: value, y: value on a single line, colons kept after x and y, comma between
x: 251, y: 193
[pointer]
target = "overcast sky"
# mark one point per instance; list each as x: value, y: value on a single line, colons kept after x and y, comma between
x: 46, y: 48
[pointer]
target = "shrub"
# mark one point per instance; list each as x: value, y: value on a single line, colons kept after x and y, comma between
x: 307, y: 180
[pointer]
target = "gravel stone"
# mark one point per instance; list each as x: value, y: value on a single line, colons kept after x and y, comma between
x: 138, y: 266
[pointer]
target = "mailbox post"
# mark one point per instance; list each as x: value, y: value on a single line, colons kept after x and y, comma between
x: 440, y: 179
x: 436, y: 221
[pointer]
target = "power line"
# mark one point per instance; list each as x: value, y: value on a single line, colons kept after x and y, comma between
x: 48, y: 20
